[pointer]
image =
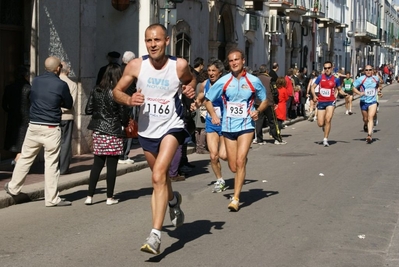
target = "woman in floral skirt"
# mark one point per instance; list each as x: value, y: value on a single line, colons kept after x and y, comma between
x: 106, y: 124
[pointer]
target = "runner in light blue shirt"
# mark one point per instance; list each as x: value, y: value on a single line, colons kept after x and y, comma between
x: 238, y: 90
x: 238, y: 94
x: 368, y: 87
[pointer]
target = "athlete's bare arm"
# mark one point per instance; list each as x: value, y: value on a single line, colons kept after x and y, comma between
x: 312, y: 88
x: 340, y: 91
x: 255, y: 114
x: 186, y: 77
x: 201, y: 95
x: 209, y: 107
x: 131, y: 73
x: 356, y: 91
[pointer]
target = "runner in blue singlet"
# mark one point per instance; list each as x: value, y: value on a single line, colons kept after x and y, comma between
x: 214, y: 137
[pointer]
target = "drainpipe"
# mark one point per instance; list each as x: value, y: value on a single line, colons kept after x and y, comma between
x: 34, y: 68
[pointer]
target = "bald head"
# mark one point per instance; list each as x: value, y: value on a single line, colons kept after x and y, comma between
x: 52, y: 64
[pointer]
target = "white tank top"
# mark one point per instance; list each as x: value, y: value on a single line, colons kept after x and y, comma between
x: 162, y: 109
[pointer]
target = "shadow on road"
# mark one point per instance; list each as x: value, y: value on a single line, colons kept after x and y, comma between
x: 121, y: 196
x: 201, y: 167
x: 185, y: 234
x: 253, y: 195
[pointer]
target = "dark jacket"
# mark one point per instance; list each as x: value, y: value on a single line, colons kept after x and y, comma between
x: 107, y: 115
x: 266, y: 79
x: 48, y: 94
x: 17, y: 104
x: 274, y: 76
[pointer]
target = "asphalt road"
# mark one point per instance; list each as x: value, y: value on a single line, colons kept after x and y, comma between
x: 302, y: 205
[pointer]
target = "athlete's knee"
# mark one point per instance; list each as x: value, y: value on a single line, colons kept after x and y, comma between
x: 232, y: 167
x: 158, y: 178
x: 240, y: 163
x: 214, y: 157
x: 223, y: 157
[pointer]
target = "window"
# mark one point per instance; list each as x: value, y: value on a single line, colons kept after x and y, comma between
x: 183, y: 45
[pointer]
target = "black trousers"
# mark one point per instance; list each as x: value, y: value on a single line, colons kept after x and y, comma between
x: 99, y: 161
x: 66, y: 145
x: 267, y: 117
x: 274, y: 128
x: 289, y: 103
x: 259, y: 123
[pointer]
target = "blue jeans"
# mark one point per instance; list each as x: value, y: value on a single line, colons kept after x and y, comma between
x: 127, y: 145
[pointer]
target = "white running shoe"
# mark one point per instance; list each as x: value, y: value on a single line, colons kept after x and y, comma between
x: 125, y: 161
x: 219, y: 187
x: 112, y: 201
x: 276, y: 142
x: 325, y: 143
x: 89, y: 201
x: 152, y: 244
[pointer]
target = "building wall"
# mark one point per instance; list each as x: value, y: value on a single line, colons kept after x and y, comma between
x: 82, y: 33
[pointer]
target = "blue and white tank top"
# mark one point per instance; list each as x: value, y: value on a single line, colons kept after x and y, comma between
x: 162, y: 109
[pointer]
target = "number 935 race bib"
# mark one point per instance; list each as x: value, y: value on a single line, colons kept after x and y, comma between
x: 236, y: 110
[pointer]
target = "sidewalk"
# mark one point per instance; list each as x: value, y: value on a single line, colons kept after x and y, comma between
x: 79, y: 175
x: 79, y: 172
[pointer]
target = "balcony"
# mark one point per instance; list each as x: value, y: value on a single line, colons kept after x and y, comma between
x: 287, y: 6
x: 279, y: 5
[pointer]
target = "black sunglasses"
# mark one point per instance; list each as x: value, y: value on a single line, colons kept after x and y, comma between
x: 368, y: 69
x: 327, y: 68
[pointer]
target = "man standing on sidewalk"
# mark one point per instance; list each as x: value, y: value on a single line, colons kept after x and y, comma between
x: 161, y: 125
x: 273, y: 73
x: 290, y: 90
x: 269, y: 112
x: 67, y: 122
x: 48, y: 94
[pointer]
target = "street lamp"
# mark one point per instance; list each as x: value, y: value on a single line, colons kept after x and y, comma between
x: 347, y: 43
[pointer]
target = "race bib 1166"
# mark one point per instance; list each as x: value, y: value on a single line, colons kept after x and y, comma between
x: 160, y: 109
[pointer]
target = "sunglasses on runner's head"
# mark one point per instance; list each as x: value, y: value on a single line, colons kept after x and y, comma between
x: 327, y: 68
x: 368, y: 69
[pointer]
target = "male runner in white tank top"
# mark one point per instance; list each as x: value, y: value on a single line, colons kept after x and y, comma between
x: 161, y: 79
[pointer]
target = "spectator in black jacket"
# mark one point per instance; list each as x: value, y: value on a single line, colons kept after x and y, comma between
x: 16, y: 103
x: 48, y: 94
x: 273, y: 73
x: 106, y: 124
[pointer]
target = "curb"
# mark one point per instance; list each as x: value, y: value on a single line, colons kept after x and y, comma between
x: 36, y: 191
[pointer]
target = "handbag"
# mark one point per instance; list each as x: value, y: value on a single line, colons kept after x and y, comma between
x: 131, y: 129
